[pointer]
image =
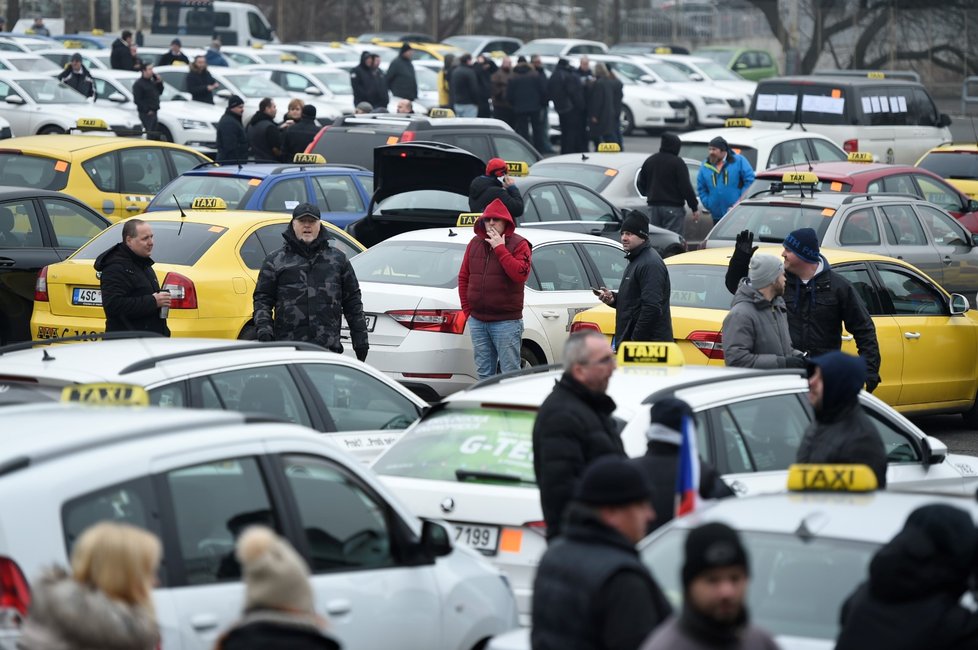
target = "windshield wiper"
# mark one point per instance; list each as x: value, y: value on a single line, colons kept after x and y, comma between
x: 467, y: 474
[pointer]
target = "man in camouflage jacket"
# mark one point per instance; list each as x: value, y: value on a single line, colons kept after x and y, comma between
x: 310, y: 285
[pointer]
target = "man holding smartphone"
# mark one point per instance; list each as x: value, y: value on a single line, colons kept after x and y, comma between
x: 495, y: 184
x: 146, y: 93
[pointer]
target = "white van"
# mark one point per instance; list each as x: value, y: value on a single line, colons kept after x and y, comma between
x: 197, y: 22
x: 897, y: 121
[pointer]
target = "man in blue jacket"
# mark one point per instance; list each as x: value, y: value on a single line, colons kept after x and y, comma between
x: 723, y: 178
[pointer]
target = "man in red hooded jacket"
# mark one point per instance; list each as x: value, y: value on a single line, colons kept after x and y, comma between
x: 490, y: 286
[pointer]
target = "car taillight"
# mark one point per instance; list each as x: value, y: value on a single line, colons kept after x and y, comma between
x: 408, y: 136
x: 183, y: 293
x: 539, y: 527
x: 15, y: 595
x: 312, y: 145
x: 446, y: 321
x: 580, y: 326
x: 41, y: 285
x: 709, y: 343
x: 849, y: 146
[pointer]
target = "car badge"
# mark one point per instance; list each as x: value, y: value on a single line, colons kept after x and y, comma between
x: 447, y: 505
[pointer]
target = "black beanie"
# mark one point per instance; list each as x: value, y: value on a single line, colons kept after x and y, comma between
x: 636, y: 223
x: 719, y: 143
x: 804, y: 243
x: 712, y: 546
x: 612, y: 481
x: 669, y: 412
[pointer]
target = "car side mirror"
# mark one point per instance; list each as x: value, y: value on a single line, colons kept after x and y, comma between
x: 436, y: 541
x: 223, y: 92
x: 117, y: 97
x: 945, y: 120
x: 696, y: 76
x: 312, y: 90
x: 935, y: 451
x: 959, y: 304
x: 647, y: 79
x: 974, y: 239
x: 740, y: 66
x: 971, y: 206
x: 14, y: 99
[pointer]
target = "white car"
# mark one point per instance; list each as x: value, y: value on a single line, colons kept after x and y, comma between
x: 326, y: 82
x: 382, y: 577
x: 471, y: 460
x: 23, y: 62
x: 302, y: 54
x: 335, y: 51
x: 238, y: 55
x: 418, y: 333
x: 356, y: 407
x: 39, y: 104
x: 765, y: 148
x: 20, y: 43
x: 62, y: 56
x: 708, y: 71
x: 193, y: 124
x: 560, y: 47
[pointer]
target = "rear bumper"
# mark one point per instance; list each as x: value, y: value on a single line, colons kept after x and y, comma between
x: 45, y: 325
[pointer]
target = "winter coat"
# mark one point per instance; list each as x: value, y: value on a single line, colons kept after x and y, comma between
x: 664, y: 177
x: 310, y: 287
x: 67, y: 615
x: 604, y: 107
x: 842, y: 432
x: 146, y: 94
x: 299, y: 136
x: 197, y: 83
x: 691, y: 631
x: 719, y: 188
x: 523, y: 91
x: 128, y: 284
x: 755, y: 331
x: 264, y: 137
x: 565, y: 89
x: 499, y: 81
x: 232, y: 143
x: 168, y: 58
x: 491, y: 280
x: 484, y: 189
x: 121, y: 57
x: 214, y: 57
x: 80, y: 81
x: 465, y: 85
x: 573, y: 427
x: 401, y: 78
x: 642, y: 299
x: 591, y: 590
x: 369, y: 84
x: 262, y: 629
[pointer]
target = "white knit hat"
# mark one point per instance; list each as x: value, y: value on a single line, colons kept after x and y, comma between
x: 276, y: 577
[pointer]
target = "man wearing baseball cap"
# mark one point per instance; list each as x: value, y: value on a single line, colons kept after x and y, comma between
x: 495, y: 184
x: 723, y: 177
x: 306, y: 287
x: 77, y: 76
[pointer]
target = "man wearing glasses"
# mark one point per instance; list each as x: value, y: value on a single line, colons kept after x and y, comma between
x: 574, y: 424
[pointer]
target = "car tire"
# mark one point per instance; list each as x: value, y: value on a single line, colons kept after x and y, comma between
x: 528, y: 357
x: 165, y: 135
x: 971, y: 415
x: 51, y: 129
x: 627, y: 121
x: 694, y: 119
x: 248, y: 333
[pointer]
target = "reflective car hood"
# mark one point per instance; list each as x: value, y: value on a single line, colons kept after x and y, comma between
x: 423, y: 166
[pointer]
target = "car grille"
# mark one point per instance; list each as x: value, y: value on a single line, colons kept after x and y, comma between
x: 677, y: 104
x: 736, y: 103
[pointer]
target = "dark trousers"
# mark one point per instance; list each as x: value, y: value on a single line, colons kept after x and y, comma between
x: 521, y: 123
x: 572, y: 139
x: 151, y: 125
x: 541, y: 131
x: 505, y: 114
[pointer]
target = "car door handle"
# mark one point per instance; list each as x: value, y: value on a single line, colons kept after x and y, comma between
x: 339, y: 607
x: 947, y: 260
x: 551, y: 314
x: 6, y: 261
x: 847, y: 337
x: 203, y: 622
x: 911, y: 335
x: 133, y: 208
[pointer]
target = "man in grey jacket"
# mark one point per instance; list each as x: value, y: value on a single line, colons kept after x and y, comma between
x: 755, y: 331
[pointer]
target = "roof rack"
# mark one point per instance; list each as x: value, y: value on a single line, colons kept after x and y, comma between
x: 150, y: 362
x: 867, y: 196
x: 672, y: 390
x: 301, y: 166
x: 522, y: 372
x: 105, y: 336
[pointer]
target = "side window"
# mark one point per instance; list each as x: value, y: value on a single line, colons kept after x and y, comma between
x: 342, y: 245
x: 924, y: 107
x: 358, y: 402
x: 171, y: 395
x: 475, y: 144
x: 128, y: 503
x: 899, y: 447
x: 102, y: 171
x: 788, y: 153
x: 213, y: 503
x: 731, y: 447
x: 182, y: 161
x: 285, y: 195
x: 901, y: 183
x: 771, y: 428
x: 938, y: 193
x: 19, y: 226
x: 337, y: 194
x: 558, y: 268
x: 345, y: 527
x: 825, y: 151
x: 368, y: 183
x: 860, y: 229
x: 944, y: 230
x: 909, y: 294
x: 862, y: 282
x: 258, y: 28
x: 294, y: 82
x: 143, y: 170
x: 764, y: 60
x: 271, y: 237
x: 179, y: 79
x: 902, y: 226
x: 252, y: 252
x: 265, y: 389
x: 610, y: 261
x: 73, y: 225
x: 590, y: 207
x: 544, y: 203
x: 513, y: 150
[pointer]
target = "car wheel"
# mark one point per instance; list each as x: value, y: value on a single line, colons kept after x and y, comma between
x: 165, y: 135
x: 51, y: 129
x: 627, y: 121
x: 528, y: 358
x: 248, y: 333
x: 694, y: 119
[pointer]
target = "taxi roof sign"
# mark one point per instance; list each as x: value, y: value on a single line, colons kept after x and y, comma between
x: 663, y: 50
x: 517, y: 168
x: 640, y: 353
x: 831, y: 478
x: 309, y: 158
x: 107, y: 394
x: 800, y: 178
x: 742, y: 122
x: 609, y: 147
x: 441, y: 112
x: 876, y: 75
x: 91, y: 123
x: 288, y: 57
x: 208, y: 203
x: 860, y: 157
x: 467, y: 219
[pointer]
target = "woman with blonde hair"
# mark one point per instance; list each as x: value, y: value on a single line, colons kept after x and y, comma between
x: 106, y: 603
x: 294, y: 114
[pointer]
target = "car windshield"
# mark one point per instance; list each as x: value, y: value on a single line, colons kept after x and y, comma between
x: 252, y: 85
x: 543, y: 49
x: 474, y: 444
x: 698, y: 285
x: 32, y: 171
x: 38, y: 64
x: 760, y: 186
x: 957, y: 165
x: 593, y: 176
x: 667, y: 72
x: 771, y: 222
x: 411, y: 263
x: 174, y: 242
x: 338, y: 82
x: 722, y: 57
x: 717, y: 72
x: 697, y: 151
x: 235, y: 190
x: 798, y: 583
x: 49, y: 91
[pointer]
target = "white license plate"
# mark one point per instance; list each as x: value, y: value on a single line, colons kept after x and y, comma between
x: 81, y: 296
x: 371, y: 321
x: 481, y: 538
x: 680, y: 114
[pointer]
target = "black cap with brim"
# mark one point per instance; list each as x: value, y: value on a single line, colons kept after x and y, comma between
x: 306, y: 211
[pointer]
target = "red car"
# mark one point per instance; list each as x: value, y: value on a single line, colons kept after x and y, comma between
x: 879, y: 177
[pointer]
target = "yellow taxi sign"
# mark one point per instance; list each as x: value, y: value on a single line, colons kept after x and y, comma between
x: 441, y: 112
x: 351, y: 39
x: 831, y: 478
x: 663, y: 50
x: 517, y: 168
x: 98, y: 32
x: 609, y: 147
x: 258, y: 46
x: 107, y: 394
x: 91, y: 123
x: 876, y: 75
x: 860, y: 157
x: 742, y: 122
x: 800, y: 178
x: 467, y: 219
x: 639, y: 353
x: 208, y: 203
x: 286, y: 57
x: 71, y: 45
x: 316, y: 158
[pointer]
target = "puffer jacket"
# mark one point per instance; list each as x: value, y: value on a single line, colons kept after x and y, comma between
x: 484, y: 189
x: 67, y: 615
x: 720, y: 188
x: 642, y: 299
x: 310, y: 286
x: 755, y: 331
x: 128, y: 283
x: 401, y: 79
x: 491, y: 280
x: 263, y: 628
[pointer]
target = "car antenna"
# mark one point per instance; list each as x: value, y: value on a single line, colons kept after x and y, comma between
x: 183, y: 215
x: 452, y: 233
x: 584, y: 156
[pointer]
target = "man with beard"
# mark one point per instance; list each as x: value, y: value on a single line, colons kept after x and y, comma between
x: 723, y: 177
x: 200, y: 83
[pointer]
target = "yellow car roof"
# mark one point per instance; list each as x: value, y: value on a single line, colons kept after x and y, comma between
x: 950, y: 146
x: 67, y: 146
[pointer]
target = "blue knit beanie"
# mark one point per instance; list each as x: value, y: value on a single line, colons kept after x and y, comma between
x: 803, y: 243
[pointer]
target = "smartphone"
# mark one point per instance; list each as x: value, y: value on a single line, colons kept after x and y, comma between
x: 596, y: 292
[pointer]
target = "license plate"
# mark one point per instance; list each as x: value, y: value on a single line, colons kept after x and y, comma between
x: 481, y: 538
x: 680, y: 114
x: 81, y: 296
x: 371, y: 321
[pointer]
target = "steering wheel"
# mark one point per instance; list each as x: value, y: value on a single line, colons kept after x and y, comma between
x: 358, y: 542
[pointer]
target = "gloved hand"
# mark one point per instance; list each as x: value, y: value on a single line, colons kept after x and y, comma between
x: 361, y: 353
x: 872, y: 381
x: 745, y: 243
x: 264, y: 335
x: 794, y: 362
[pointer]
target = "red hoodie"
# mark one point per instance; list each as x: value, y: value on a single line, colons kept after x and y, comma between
x: 490, y: 282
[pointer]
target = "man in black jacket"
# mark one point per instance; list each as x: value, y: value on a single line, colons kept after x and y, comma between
x: 664, y: 178
x: 174, y: 54
x: 232, y: 143
x: 78, y: 77
x: 121, y: 57
x: 566, y: 90
x: 841, y: 432
x: 264, y: 136
x: 131, y: 295
x: 465, y: 87
x: 574, y: 424
x: 524, y: 92
x: 200, y: 83
x: 495, y: 184
x: 400, y: 75
x: 642, y: 299
x: 146, y: 93
x: 591, y: 589
x: 301, y: 134
x: 369, y: 84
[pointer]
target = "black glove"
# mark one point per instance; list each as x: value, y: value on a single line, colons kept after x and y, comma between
x: 264, y: 336
x: 361, y: 353
x: 745, y: 243
x: 872, y: 382
x: 794, y: 362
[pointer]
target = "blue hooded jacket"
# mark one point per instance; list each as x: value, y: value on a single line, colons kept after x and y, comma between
x: 719, y: 189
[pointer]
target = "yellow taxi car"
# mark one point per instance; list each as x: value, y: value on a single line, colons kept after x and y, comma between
x: 928, y: 338
x: 957, y: 163
x: 210, y: 257
x: 116, y: 177
x: 425, y: 51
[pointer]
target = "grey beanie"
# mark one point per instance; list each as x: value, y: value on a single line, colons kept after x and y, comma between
x: 764, y: 270
x: 275, y: 576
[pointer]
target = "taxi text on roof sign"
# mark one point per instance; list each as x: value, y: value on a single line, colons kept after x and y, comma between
x: 831, y: 478
x: 517, y: 168
x: 468, y: 219
x: 309, y: 158
x: 208, y: 203
x: 609, y: 147
x: 106, y: 394
x: 441, y: 112
x: 738, y: 121
x: 638, y: 353
x: 860, y: 157
x: 800, y: 178
x: 876, y: 75
x: 91, y: 123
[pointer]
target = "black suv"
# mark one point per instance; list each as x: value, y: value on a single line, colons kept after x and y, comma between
x: 351, y: 139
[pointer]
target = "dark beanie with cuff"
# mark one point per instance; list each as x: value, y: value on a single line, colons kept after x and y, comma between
x: 612, y: 481
x: 804, y: 243
x: 712, y: 546
x: 636, y: 223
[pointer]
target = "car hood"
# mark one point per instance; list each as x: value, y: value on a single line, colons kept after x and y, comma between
x: 423, y: 166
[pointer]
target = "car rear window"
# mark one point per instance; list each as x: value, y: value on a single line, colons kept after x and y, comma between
x: 474, y: 444
x: 697, y: 151
x: 955, y: 165
x: 235, y: 190
x: 771, y: 222
x: 760, y: 185
x: 698, y: 285
x: 812, y: 103
x: 411, y: 263
x: 17, y: 170
x: 597, y: 178
x: 354, y: 145
x: 176, y: 243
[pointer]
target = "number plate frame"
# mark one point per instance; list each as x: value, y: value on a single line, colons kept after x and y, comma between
x: 466, y: 531
x: 76, y: 297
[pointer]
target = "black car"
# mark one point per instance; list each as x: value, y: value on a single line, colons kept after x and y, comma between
x: 351, y: 139
x: 37, y: 228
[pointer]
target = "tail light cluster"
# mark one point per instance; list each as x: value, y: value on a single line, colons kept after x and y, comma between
x: 445, y: 321
x: 539, y: 527
x: 707, y: 342
x: 15, y: 595
x: 850, y: 146
x: 41, y: 286
x: 580, y: 326
x: 183, y: 293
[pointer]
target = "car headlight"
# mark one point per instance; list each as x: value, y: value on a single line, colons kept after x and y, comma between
x: 653, y: 103
x: 713, y: 100
x: 194, y: 124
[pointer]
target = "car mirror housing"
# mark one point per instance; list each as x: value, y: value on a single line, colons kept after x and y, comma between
x: 312, y: 90
x: 117, y: 97
x: 435, y: 539
x: 971, y: 206
x: 14, y: 99
x: 944, y: 120
x: 959, y: 304
x: 935, y: 451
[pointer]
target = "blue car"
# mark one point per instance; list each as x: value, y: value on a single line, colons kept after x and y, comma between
x: 342, y: 192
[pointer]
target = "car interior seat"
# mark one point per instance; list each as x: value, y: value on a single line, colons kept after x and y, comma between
x: 8, y: 239
x: 546, y: 272
x: 337, y: 201
x: 264, y: 395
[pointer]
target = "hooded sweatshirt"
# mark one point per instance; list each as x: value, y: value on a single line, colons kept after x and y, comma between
x: 369, y: 84
x: 491, y: 280
x: 755, y: 330
x: 664, y: 177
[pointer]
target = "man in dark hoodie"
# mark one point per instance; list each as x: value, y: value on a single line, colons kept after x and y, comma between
x: 400, y: 75
x: 301, y: 134
x: 309, y: 286
x: 912, y: 598
x: 664, y: 178
x: 495, y: 184
x: 524, y: 93
x: 841, y: 432
x: 264, y: 136
x: 490, y: 286
x: 566, y: 90
x: 131, y: 296
x: 369, y: 84
x: 232, y: 143
x: 465, y: 87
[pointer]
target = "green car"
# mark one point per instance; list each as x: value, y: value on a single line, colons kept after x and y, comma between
x: 749, y: 64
